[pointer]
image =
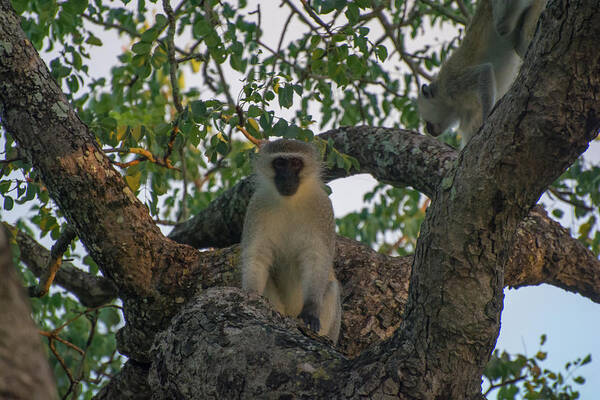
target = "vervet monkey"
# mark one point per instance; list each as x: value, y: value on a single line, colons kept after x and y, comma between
x: 481, y: 69
x: 288, y: 240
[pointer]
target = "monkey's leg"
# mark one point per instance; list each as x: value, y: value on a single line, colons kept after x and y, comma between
x: 256, y: 266
x: 481, y: 80
x: 486, y: 82
x: 507, y: 15
x: 272, y: 292
x: 331, y: 311
x: 315, y: 269
x: 527, y: 27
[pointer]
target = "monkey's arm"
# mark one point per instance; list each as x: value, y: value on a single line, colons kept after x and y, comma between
x: 527, y: 27
x: 507, y: 15
x: 486, y: 83
x: 257, y: 257
x: 315, y: 273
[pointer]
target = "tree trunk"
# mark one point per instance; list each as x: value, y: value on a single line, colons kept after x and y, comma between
x: 25, y: 374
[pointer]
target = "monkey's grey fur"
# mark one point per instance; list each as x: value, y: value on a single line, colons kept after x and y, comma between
x: 288, y: 240
x: 481, y: 69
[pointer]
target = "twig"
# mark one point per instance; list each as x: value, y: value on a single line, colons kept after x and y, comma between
x: 146, y: 156
x: 129, y: 163
x: 563, y: 197
x: 171, y: 54
x: 122, y: 29
x: 315, y: 17
x: 54, y: 262
x: 61, y: 361
x: 53, y: 335
x: 165, y: 222
x: 444, y: 11
x: 9, y: 160
x: 199, y: 182
x: 399, y: 45
x: 299, y: 14
x: 463, y: 10
x: 195, y: 56
x: 184, y: 208
x: 360, y: 105
x: 255, y: 141
x: 508, y: 382
x: 86, y: 311
x: 283, y: 32
x: 88, y: 343
x: 225, y: 85
x: 207, y: 81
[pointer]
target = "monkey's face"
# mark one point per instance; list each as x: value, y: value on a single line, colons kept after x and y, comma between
x: 437, y: 114
x: 287, y: 174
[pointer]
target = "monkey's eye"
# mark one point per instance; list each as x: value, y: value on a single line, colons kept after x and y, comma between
x: 296, y: 164
x: 279, y: 163
x: 427, y: 92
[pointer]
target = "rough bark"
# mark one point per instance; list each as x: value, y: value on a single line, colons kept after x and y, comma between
x: 130, y: 383
x: 25, y: 373
x: 545, y: 253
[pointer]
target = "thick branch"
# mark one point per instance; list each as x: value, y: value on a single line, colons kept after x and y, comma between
x: 403, y: 158
x: 545, y: 252
x: 395, y: 156
x: 130, y: 383
x: 54, y: 262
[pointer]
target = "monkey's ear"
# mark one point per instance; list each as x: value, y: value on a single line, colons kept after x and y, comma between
x: 427, y: 91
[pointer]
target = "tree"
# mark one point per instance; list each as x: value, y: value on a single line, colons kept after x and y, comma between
x: 187, y: 332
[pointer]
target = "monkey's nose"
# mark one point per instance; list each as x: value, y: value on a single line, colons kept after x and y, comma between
x: 429, y: 128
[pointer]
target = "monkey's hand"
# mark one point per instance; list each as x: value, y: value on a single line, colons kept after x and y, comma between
x: 310, y: 316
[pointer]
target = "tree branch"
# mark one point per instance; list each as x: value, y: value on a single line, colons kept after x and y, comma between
x: 54, y: 262
x: 92, y: 291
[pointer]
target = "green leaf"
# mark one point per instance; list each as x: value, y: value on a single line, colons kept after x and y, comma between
x: 286, y: 95
x: 133, y: 181
x: 8, y: 203
x: 381, y: 52
x: 280, y: 127
x: 161, y: 21
x: 150, y: 35
x: 78, y: 6
x: 352, y: 13
x: 109, y: 123
x: 199, y: 110
x: 4, y: 186
x: 254, y: 111
x: 159, y: 58
x: 93, y: 40
x: 586, y: 360
x: 141, y: 48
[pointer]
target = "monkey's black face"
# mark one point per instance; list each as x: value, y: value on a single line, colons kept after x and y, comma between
x: 287, y: 174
